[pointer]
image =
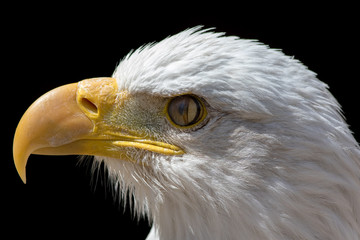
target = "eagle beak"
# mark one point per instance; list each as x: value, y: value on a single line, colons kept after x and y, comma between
x: 77, y: 119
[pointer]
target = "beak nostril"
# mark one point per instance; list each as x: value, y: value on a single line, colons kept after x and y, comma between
x: 89, y: 105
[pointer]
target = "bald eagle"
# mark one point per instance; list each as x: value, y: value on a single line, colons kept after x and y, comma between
x: 214, y: 136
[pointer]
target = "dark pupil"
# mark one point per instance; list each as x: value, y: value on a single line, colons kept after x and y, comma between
x: 183, y: 106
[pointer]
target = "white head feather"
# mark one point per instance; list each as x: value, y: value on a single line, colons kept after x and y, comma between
x: 275, y: 159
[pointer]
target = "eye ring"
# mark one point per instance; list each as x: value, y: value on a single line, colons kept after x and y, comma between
x: 185, y: 111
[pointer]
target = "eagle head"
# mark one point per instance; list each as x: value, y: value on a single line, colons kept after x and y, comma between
x: 214, y: 136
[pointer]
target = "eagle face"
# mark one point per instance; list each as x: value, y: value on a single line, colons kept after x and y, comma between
x: 215, y: 137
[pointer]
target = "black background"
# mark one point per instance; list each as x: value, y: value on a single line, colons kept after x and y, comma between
x: 45, y: 46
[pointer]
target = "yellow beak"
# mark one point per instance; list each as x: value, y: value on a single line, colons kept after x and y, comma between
x: 76, y: 119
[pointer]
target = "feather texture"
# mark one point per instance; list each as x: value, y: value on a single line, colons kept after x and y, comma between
x: 275, y: 159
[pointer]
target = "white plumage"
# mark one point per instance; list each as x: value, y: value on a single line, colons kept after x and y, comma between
x: 274, y: 161
x: 270, y: 156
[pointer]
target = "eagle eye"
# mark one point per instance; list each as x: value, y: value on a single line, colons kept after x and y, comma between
x: 185, y: 111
